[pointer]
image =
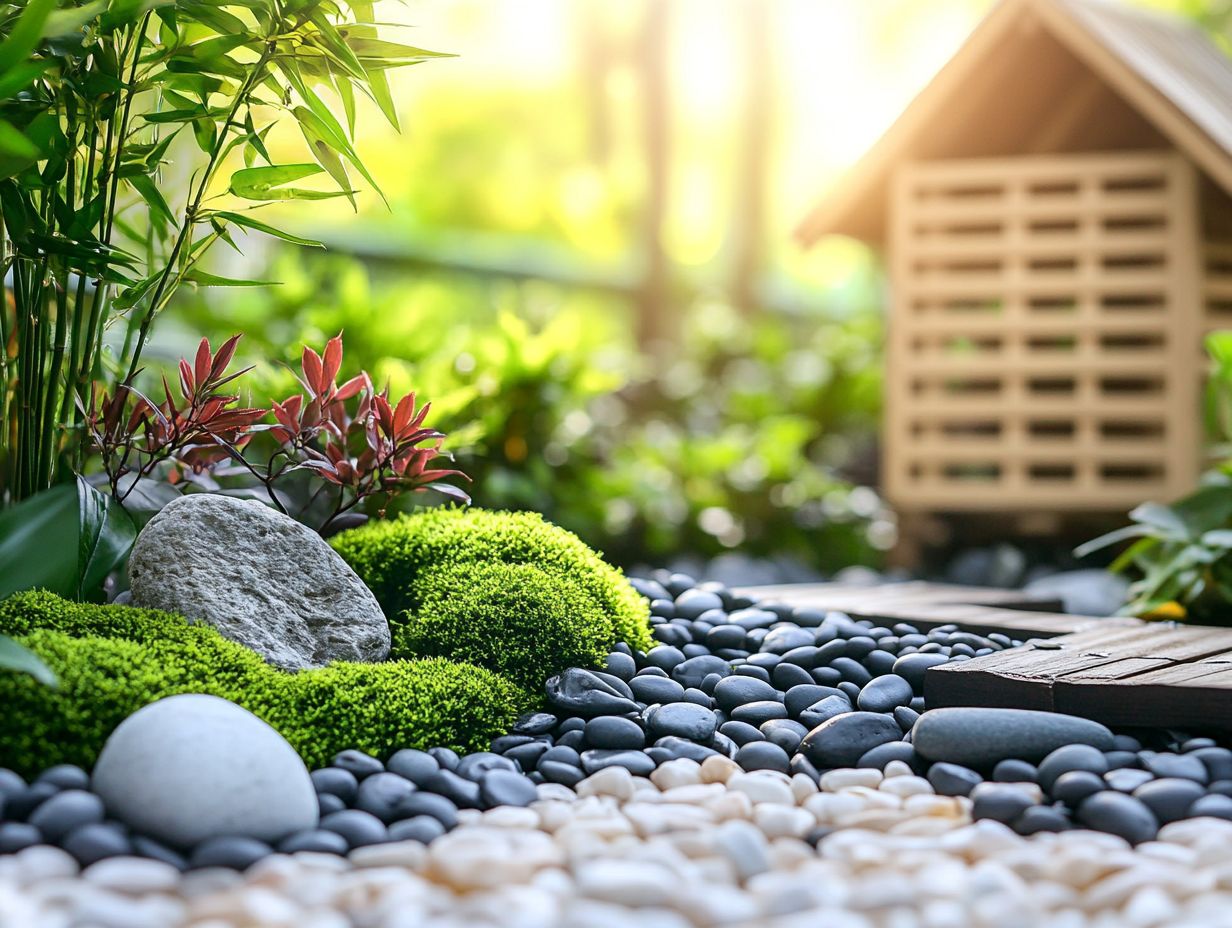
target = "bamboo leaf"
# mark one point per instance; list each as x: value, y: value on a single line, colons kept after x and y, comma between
x: 248, y: 222
x: 204, y: 279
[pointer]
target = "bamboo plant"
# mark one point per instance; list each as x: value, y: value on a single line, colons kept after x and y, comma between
x: 98, y: 100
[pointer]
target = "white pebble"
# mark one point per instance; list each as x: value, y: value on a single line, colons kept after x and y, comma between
x: 133, y: 875
x: 762, y: 786
x: 847, y: 777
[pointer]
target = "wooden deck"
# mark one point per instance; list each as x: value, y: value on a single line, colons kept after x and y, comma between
x: 1118, y: 671
x: 1159, y: 674
x: 927, y: 605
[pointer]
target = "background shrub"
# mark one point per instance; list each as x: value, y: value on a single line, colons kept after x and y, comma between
x: 517, y: 619
x: 112, y: 660
x: 396, y: 559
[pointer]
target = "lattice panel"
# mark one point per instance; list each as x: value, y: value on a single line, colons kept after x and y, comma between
x: 1044, y: 333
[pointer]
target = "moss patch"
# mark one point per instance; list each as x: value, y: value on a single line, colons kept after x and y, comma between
x: 517, y: 619
x: 112, y: 660
x: 397, y: 558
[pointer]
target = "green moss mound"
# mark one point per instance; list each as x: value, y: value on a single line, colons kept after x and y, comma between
x: 397, y: 558
x: 112, y: 660
x: 517, y: 619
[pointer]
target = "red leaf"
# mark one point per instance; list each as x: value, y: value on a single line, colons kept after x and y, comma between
x: 186, y: 379
x: 353, y: 386
x: 313, y: 371
x: 333, y: 359
x: 403, y: 413
x: 384, y: 414
x: 224, y: 356
x: 201, y: 369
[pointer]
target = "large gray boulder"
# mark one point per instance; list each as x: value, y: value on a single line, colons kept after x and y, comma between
x: 192, y: 767
x: 260, y: 578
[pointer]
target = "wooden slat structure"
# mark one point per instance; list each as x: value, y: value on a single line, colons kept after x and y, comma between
x: 927, y: 605
x: 1055, y: 208
x: 1158, y: 674
x: 1083, y: 395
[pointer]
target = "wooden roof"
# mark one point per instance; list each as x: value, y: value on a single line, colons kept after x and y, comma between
x: 1041, y: 76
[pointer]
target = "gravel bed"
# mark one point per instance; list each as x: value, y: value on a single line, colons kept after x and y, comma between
x: 692, y: 845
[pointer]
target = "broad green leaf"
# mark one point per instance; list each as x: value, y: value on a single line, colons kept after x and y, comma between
x: 248, y: 222
x: 105, y: 536
x: 16, y: 151
x: 19, y: 659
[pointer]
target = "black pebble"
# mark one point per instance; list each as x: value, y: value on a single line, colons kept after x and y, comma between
x: 885, y: 694
x: 1169, y: 798
x: 317, y: 840
x: 446, y: 757
x: 1001, y: 803
x: 328, y: 803
x: 1041, y: 818
x: 415, y: 766
x: 1065, y: 759
x: 763, y: 755
x: 505, y: 788
x: 620, y: 665
x: 381, y: 795
x: 881, y: 755
x: 1184, y: 766
x: 19, y: 806
x: 17, y: 836
x: 741, y: 732
x: 358, y: 763
x: 652, y: 689
x: 336, y: 782
x: 953, y: 780
x: 1012, y: 770
x: 458, y: 790
x: 738, y: 689
x: 94, y: 842
x: 1073, y: 786
x: 636, y: 762
x: 357, y: 827
x: 65, y: 776
x: 422, y: 828
x: 476, y: 766
x: 66, y: 811
x: 535, y: 723
x: 1213, y: 804
x: 614, y: 733
x: 156, y: 850
x: 1118, y: 814
x: 232, y: 851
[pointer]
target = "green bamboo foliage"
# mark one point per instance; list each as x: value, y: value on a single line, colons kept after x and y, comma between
x: 96, y: 99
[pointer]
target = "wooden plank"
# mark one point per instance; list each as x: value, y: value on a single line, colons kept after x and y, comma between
x: 982, y: 610
x: 1137, y: 675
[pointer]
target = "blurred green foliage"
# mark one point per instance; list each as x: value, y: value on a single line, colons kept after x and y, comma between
x: 734, y: 439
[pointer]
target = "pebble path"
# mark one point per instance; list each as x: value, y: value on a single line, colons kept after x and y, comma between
x: 693, y: 845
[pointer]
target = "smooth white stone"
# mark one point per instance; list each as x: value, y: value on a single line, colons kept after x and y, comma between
x: 132, y: 875
x: 680, y: 772
x: 761, y: 787
x: 847, y: 777
x: 610, y: 781
x: 192, y: 767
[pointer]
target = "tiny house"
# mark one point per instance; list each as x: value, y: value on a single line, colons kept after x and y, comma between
x: 1055, y: 214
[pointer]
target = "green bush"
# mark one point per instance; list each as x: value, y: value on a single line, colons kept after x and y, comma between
x: 516, y: 619
x: 397, y: 559
x: 112, y: 660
